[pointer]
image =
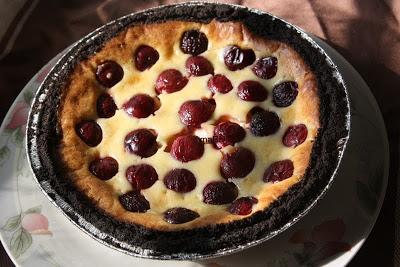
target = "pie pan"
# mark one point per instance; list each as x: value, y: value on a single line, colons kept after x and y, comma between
x: 212, y: 241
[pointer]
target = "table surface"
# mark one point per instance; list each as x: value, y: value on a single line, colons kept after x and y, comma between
x: 357, y: 30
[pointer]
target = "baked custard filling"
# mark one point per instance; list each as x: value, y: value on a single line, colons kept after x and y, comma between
x: 178, y: 124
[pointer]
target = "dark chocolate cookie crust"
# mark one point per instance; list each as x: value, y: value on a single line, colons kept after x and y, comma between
x: 44, y: 136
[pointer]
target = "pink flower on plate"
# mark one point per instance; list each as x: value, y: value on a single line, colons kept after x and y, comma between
x: 36, y: 224
x: 19, y: 116
x: 324, y: 241
x: 331, y: 230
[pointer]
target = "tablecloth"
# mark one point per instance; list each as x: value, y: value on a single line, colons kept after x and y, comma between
x: 365, y: 32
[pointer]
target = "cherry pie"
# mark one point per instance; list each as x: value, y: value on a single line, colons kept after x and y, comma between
x: 178, y: 125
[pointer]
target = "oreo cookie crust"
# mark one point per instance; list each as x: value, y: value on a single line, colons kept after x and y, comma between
x: 214, y: 237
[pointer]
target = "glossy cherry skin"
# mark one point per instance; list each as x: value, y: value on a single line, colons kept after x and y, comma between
x: 180, y: 215
x: 193, y: 42
x: 109, y: 73
x: 279, y: 171
x: 140, y: 106
x: 187, y: 148
x: 145, y: 57
x: 228, y: 133
x: 180, y: 180
x: 135, y: 202
x: 141, y: 176
x: 266, y: 67
x: 89, y: 132
x: 220, y: 193
x: 238, y: 163
x: 194, y: 112
x: 170, y: 81
x: 141, y: 142
x: 104, y: 168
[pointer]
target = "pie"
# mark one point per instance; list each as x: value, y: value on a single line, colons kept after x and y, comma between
x: 179, y: 125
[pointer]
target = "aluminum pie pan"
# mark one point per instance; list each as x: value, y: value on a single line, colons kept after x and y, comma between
x: 331, y: 141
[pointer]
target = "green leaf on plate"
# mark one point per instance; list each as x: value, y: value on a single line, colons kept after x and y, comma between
x: 36, y: 209
x: 19, y: 136
x: 28, y: 96
x: 20, y: 242
x: 12, y: 223
x: 4, y: 152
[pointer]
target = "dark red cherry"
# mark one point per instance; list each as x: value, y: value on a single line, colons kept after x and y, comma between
x: 279, y: 171
x: 295, y: 135
x: 109, y: 73
x: 252, y: 91
x: 266, y: 67
x: 105, y: 168
x: 228, y: 133
x: 284, y: 94
x: 106, y: 106
x: 195, y: 112
x: 170, y: 81
x: 263, y: 123
x: 243, y: 205
x: 90, y: 133
x: 145, y: 57
x: 236, y: 58
x: 194, y: 42
x: 237, y: 164
x: 180, y: 215
x: 140, y: 106
x: 219, y: 83
x: 199, y: 66
x: 134, y: 202
x: 180, y: 180
x: 187, y: 147
x: 141, y: 142
x: 141, y: 176
x: 220, y: 193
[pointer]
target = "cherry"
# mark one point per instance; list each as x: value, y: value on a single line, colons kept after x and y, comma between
x: 105, y: 168
x: 141, y: 176
x: 252, y: 91
x: 187, y: 147
x: 236, y: 58
x: 237, y: 164
x: 219, y: 83
x: 109, y: 73
x: 199, y: 66
x: 180, y: 180
x: 220, y: 193
x: 90, y: 133
x: 145, y: 57
x: 284, y: 94
x: 266, y: 67
x: 194, y: 112
x: 295, y: 135
x: 278, y: 171
x: 180, y: 215
x: 228, y: 133
x: 263, y: 123
x: 141, y: 142
x: 140, y: 106
x: 194, y: 42
x: 170, y: 81
x: 243, y: 205
x: 106, y: 106
x: 135, y: 202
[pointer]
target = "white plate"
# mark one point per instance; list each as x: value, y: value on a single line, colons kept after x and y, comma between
x: 35, y: 233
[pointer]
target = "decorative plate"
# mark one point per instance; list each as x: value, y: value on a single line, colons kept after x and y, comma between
x: 35, y: 233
